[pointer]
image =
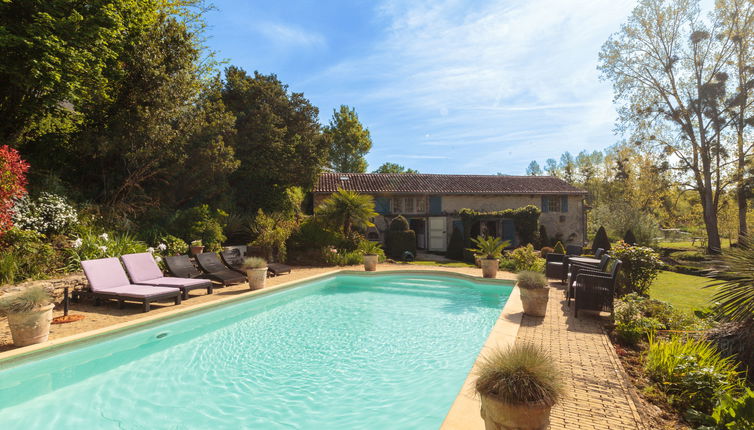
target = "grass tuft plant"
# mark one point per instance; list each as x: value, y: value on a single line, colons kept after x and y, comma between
x: 254, y: 263
x: 25, y: 300
x: 531, y: 280
x: 521, y: 374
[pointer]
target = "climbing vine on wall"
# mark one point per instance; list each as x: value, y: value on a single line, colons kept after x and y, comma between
x: 525, y: 219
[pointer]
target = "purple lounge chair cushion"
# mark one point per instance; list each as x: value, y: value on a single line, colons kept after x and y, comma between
x: 105, y: 274
x: 140, y: 291
x: 141, y: 267
x: 168, y: 281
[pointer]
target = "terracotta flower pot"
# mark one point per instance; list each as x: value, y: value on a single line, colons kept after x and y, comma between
x: 534, y: 300
x: 500, y: 415
x: 196, y: 249
x: 256, y: 278
x: 28, y: 328
x: 370, y: 262
x: 489, y: 267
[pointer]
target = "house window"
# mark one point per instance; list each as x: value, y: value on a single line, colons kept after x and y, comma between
x: 409, y: 205
x: 553, y: 205
x: 420, y: 205
x: 397, y: 205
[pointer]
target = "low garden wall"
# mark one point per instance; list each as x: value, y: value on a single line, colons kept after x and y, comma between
x: 55, y: 286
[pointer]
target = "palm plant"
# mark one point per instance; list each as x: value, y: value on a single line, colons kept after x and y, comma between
x: 488, y: 246
x: 367, y: 247
x: 735, y: 286
x: 348, y: 209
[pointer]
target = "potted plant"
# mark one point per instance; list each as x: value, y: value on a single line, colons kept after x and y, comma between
x: 371, y: 252
x: 535, y: 292
x: 29, y: 314
x: 518, y: 386
x: 490, y: 248
x: 256, y: 272
x: 196, y: 247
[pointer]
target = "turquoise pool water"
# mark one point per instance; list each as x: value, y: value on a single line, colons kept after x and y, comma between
x: 346, y: 352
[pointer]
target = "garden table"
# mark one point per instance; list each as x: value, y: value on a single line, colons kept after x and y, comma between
x: 584, y: 260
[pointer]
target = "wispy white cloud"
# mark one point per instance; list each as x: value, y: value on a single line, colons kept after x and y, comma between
x: 515, y: 80
x: 290, y: 35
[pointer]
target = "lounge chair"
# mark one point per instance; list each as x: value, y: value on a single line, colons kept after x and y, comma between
x: 575, y: 268
x: 233, y: 257
x: 556, y: 266
x: 210, y: 263
x: 108, y: 280
x: 595, y: 290
x: 143, y: 270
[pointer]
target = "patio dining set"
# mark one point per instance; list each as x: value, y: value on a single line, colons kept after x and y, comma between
x: 589, y: 280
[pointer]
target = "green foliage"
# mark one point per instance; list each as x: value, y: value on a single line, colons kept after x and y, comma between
x: 273, y: 231
x: 91, y: 245
x: 350, y: 141
x: 200, y: 223
x: 455, y: 246
x: 691, y: 372
x: 343, y: 257
x: 641, y: 265
x: 47, y: 214
x: 525, y: 219
x: 26, y: 254
x: 638, y: 317
x: 278, y: 139
x: 521, y: 374
x: 630, y: 238
x: 26, y: 300
x: 173, y: 245
x: 368, y: 247
x: 734, y: 412
x: 399, y: 223
x: 347, y: 210
x: 489, y: 247
x: 688, y: 256
x: 543, y: 239
x: 528, y: 279
x: 559, y: 248
x: 254, y: 263
x: 619, y: 218
x: 315, y: 233
x: 601, y: 240
x: 398, y: 242
x: 735, y: 285
x: 523, y: 258
x: 393, y: 168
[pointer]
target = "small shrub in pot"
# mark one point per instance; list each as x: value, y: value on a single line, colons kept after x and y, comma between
x: 256, y: 272
x: 196, y: 247
x: 535, y: 292
x: 29, y: 314
x: 518, y: 387
x: 371, y: 252
x: 490, y: 248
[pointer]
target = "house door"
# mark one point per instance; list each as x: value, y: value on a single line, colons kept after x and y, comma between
x: 437, y: 233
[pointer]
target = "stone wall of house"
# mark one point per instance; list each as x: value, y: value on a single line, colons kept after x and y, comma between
x: 55, y: 286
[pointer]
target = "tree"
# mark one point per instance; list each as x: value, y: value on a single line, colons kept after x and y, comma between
x: 12, y: 184
x: 568, y: 167
x: 629, y: 237
x: 347, y: 209
x: 349, y: 141
x: 393, y: 168
x: 601, y: 240
x: 668, y: 71
x: 278, y: 140
x: 551, y: 167
x: 533, y: 169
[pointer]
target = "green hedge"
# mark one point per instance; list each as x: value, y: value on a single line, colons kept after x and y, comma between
x: 399, y: 239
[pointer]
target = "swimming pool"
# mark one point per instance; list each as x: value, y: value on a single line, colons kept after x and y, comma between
x: 346, y: 351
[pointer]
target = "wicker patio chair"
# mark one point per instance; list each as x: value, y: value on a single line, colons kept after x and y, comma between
x: 595, y: 291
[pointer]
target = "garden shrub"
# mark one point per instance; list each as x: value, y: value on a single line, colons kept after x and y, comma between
x: 272, y: 232
x: 691, y: 372
x: 399, y: 238
x: 26, y: 254
x: 12, y: 184
x: 641, y: 265
x: 601, y: 240
x: 629, y: 237
x: 637, y: 317
x: 688, y: 256
x: 525, y: 219
x: 526, y: 259
x: 173, y: 245
x: 734, y: 412
x: 47, y: 214
x: 455, y: 246
x: 91, y: 245
x: 200, y: 223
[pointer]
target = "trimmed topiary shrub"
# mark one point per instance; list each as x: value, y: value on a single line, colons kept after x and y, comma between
x: 601, y: 240
x: 399, y: 238
x: 455, y: 247
x: 559, y: 248
x: 629, y: 237
x: 544, y: 240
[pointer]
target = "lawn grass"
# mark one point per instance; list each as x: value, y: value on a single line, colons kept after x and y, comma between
x: 684, y: 292
x: 435, y: 263
x: 725, y: 243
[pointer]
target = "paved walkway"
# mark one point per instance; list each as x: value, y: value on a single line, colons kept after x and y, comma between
x: 599, y: 396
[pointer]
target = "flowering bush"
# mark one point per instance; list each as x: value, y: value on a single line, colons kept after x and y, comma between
x: 171, y: 245
x: 12, y: 184
x: 89, y: 246
x: 641, y: 265
x: 49, y: 213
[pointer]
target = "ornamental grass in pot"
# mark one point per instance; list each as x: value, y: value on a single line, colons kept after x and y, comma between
x: 490, y: 249
x: 518, y: 387
x: 371, y: 252
x: 535, y: 293
x: 29, y: 314
x: 256, y: 272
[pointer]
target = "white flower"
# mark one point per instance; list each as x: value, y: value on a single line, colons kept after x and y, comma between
x: 77, y: 243
x: 103, y: 248
x: 104, y: 236
x: 158, y: 258
x: 162, y: 247
x: 150, y: 250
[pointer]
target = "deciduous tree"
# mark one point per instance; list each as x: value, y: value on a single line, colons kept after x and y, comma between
x: 349, y: 141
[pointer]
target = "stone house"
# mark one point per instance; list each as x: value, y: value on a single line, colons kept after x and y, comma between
x: 431, y: 203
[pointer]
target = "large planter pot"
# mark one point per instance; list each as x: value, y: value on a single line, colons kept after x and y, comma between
x: 489, y: 267
x: 534, y: 300
x: 196, y: 249
x: 28, y: 328
x: 499, y: 415
x: 256, y: 278
x: 370, y: 262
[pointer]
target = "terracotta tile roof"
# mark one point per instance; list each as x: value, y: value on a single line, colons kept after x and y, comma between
x: 443, y: 184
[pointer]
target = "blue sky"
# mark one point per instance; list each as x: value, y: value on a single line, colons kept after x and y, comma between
x: 443, y: 86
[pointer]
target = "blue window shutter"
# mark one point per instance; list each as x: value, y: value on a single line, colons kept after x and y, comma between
x: 382, y: 205
x: 564, y: 204
x: 545, y: 204
x: 435, y: 205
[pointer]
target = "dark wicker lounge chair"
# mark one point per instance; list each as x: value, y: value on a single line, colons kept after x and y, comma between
x: 143, y: 270
x: 598, y: 252
x: 210, y: 263
x: 108, y: 280
x: 556, y: 266
x: 575, y: 268
x: 595, y: 290
x: 182, y: 267
x: 233, y: 257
